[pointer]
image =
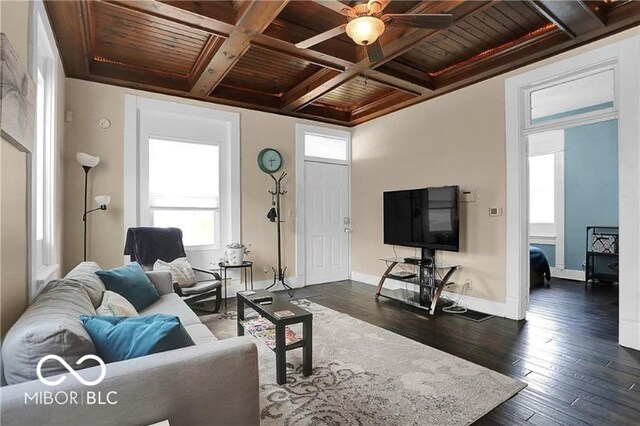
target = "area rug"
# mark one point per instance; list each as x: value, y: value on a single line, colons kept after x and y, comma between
x: 365, y: 375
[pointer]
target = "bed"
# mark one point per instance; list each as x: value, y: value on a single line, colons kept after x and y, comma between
x: 539, y: 272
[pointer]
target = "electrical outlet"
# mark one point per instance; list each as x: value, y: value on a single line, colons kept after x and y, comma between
x: 467, y: 283
x: 266, y: 269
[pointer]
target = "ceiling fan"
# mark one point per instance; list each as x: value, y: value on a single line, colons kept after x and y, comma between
x: 367, y: 23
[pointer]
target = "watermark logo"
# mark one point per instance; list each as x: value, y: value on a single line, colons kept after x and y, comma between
x: 73, y: 372
x: 71, y: 397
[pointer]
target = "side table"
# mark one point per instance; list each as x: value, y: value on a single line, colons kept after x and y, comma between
x: 246, y: 273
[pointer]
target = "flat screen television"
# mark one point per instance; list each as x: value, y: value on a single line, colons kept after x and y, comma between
x: 426, y: 218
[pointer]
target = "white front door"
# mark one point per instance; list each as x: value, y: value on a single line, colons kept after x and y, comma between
x: 327, y: 222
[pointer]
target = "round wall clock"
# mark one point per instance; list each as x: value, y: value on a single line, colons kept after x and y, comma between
x: 269, y: 160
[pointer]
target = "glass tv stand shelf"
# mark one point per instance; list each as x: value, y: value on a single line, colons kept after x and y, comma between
x: 423, y: 288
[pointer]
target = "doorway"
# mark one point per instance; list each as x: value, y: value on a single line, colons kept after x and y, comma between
x: 323, y: 203
x: 622, y: 59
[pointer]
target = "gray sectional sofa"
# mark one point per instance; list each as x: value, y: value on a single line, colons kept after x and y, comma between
x: 211, y: 383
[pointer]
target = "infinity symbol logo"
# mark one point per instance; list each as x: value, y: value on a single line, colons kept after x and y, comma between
x: 59, y: 380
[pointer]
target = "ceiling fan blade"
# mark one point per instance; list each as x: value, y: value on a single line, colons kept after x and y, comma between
x: 432, y: 21
x: 305, y: 44
x: 336, y: 6
x: 374, y: 51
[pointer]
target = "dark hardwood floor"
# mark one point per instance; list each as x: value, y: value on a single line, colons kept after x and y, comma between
x: 566, y: 351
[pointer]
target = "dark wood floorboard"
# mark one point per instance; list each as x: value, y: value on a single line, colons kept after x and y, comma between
x: 566, y: 351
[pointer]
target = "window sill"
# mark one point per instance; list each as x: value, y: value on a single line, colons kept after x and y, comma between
x: 542, y: 239
x: 45, y: 274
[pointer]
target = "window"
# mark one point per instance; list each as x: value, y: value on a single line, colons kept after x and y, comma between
x: 182, y: 170
x: 580, y: 95
x: 541, y: 189
x: 184, y: 189
x: 327, y: 147
x: 44, y: 71
x: 546, y: 183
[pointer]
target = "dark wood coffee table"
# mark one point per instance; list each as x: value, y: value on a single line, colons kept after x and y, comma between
x: 300, y: 316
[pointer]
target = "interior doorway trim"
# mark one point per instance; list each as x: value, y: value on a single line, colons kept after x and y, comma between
x: 626, y: 55
x: 301, y: 130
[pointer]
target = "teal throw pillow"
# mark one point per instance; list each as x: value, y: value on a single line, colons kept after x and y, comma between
x: 132, y: 283
x: 121, y: 338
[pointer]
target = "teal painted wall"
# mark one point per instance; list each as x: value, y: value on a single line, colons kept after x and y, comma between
x: 549, y: 251
x: 591, y: 185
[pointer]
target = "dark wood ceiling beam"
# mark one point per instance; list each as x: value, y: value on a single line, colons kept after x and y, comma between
x: 254, y: 20
x: 311, y: 56
x: 407, y: 74
x: 574, y: 18
x: 318, y: 80
x: 394, y: 43
x: 395, y: 82
x: 382, y: 103
x: 213, y: 45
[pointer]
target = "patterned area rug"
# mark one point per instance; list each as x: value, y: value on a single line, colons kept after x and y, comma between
x: 365, y: 375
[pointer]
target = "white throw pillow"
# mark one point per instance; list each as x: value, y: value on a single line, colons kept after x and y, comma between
x: 181, y: 271
x: 115, y: 305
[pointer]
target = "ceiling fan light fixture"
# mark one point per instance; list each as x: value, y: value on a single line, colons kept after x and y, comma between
x: 365, y: 30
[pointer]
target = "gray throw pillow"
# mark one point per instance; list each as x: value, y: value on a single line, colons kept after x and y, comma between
x: 51, y: 325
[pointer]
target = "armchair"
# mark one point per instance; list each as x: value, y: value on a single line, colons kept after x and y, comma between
x: 145, y: 245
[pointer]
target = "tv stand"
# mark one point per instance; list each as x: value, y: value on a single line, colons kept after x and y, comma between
x: 426, y: 286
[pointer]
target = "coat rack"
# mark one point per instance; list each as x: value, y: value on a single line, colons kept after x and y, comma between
x: 278, y: 274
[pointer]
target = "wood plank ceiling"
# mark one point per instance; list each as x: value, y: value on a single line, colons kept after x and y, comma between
x: 242, y: 53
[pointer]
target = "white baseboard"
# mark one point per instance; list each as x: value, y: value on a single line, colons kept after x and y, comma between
x: 567, y: 274
x: 481, y: 305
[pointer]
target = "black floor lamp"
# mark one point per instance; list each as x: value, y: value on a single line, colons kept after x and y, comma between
x: 88, y: 162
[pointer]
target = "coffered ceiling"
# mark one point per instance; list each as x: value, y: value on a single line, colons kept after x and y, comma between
x: 243, y: 53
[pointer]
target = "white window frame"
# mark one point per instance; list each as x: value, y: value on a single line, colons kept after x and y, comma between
x: 530, y: 127
x: 43, y: 59
x: 552, y: 234
x: 328, y: 134
x: 135, y: 178
x: 301, y: 131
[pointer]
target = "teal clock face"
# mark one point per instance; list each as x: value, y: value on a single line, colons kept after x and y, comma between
x: 269, y: 160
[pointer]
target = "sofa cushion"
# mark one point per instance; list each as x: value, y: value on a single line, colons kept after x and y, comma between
x: 115, y: 305
x: 132, y: 283
x: 172, y: 304
x: 122, y: 338
x: 85, y: 274
x: 51, y: 325
x: 200, y: 334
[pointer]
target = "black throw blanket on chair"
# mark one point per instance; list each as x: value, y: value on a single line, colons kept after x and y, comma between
x: 145, y: 245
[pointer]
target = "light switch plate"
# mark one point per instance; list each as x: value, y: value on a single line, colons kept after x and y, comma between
x: 495, y: 211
